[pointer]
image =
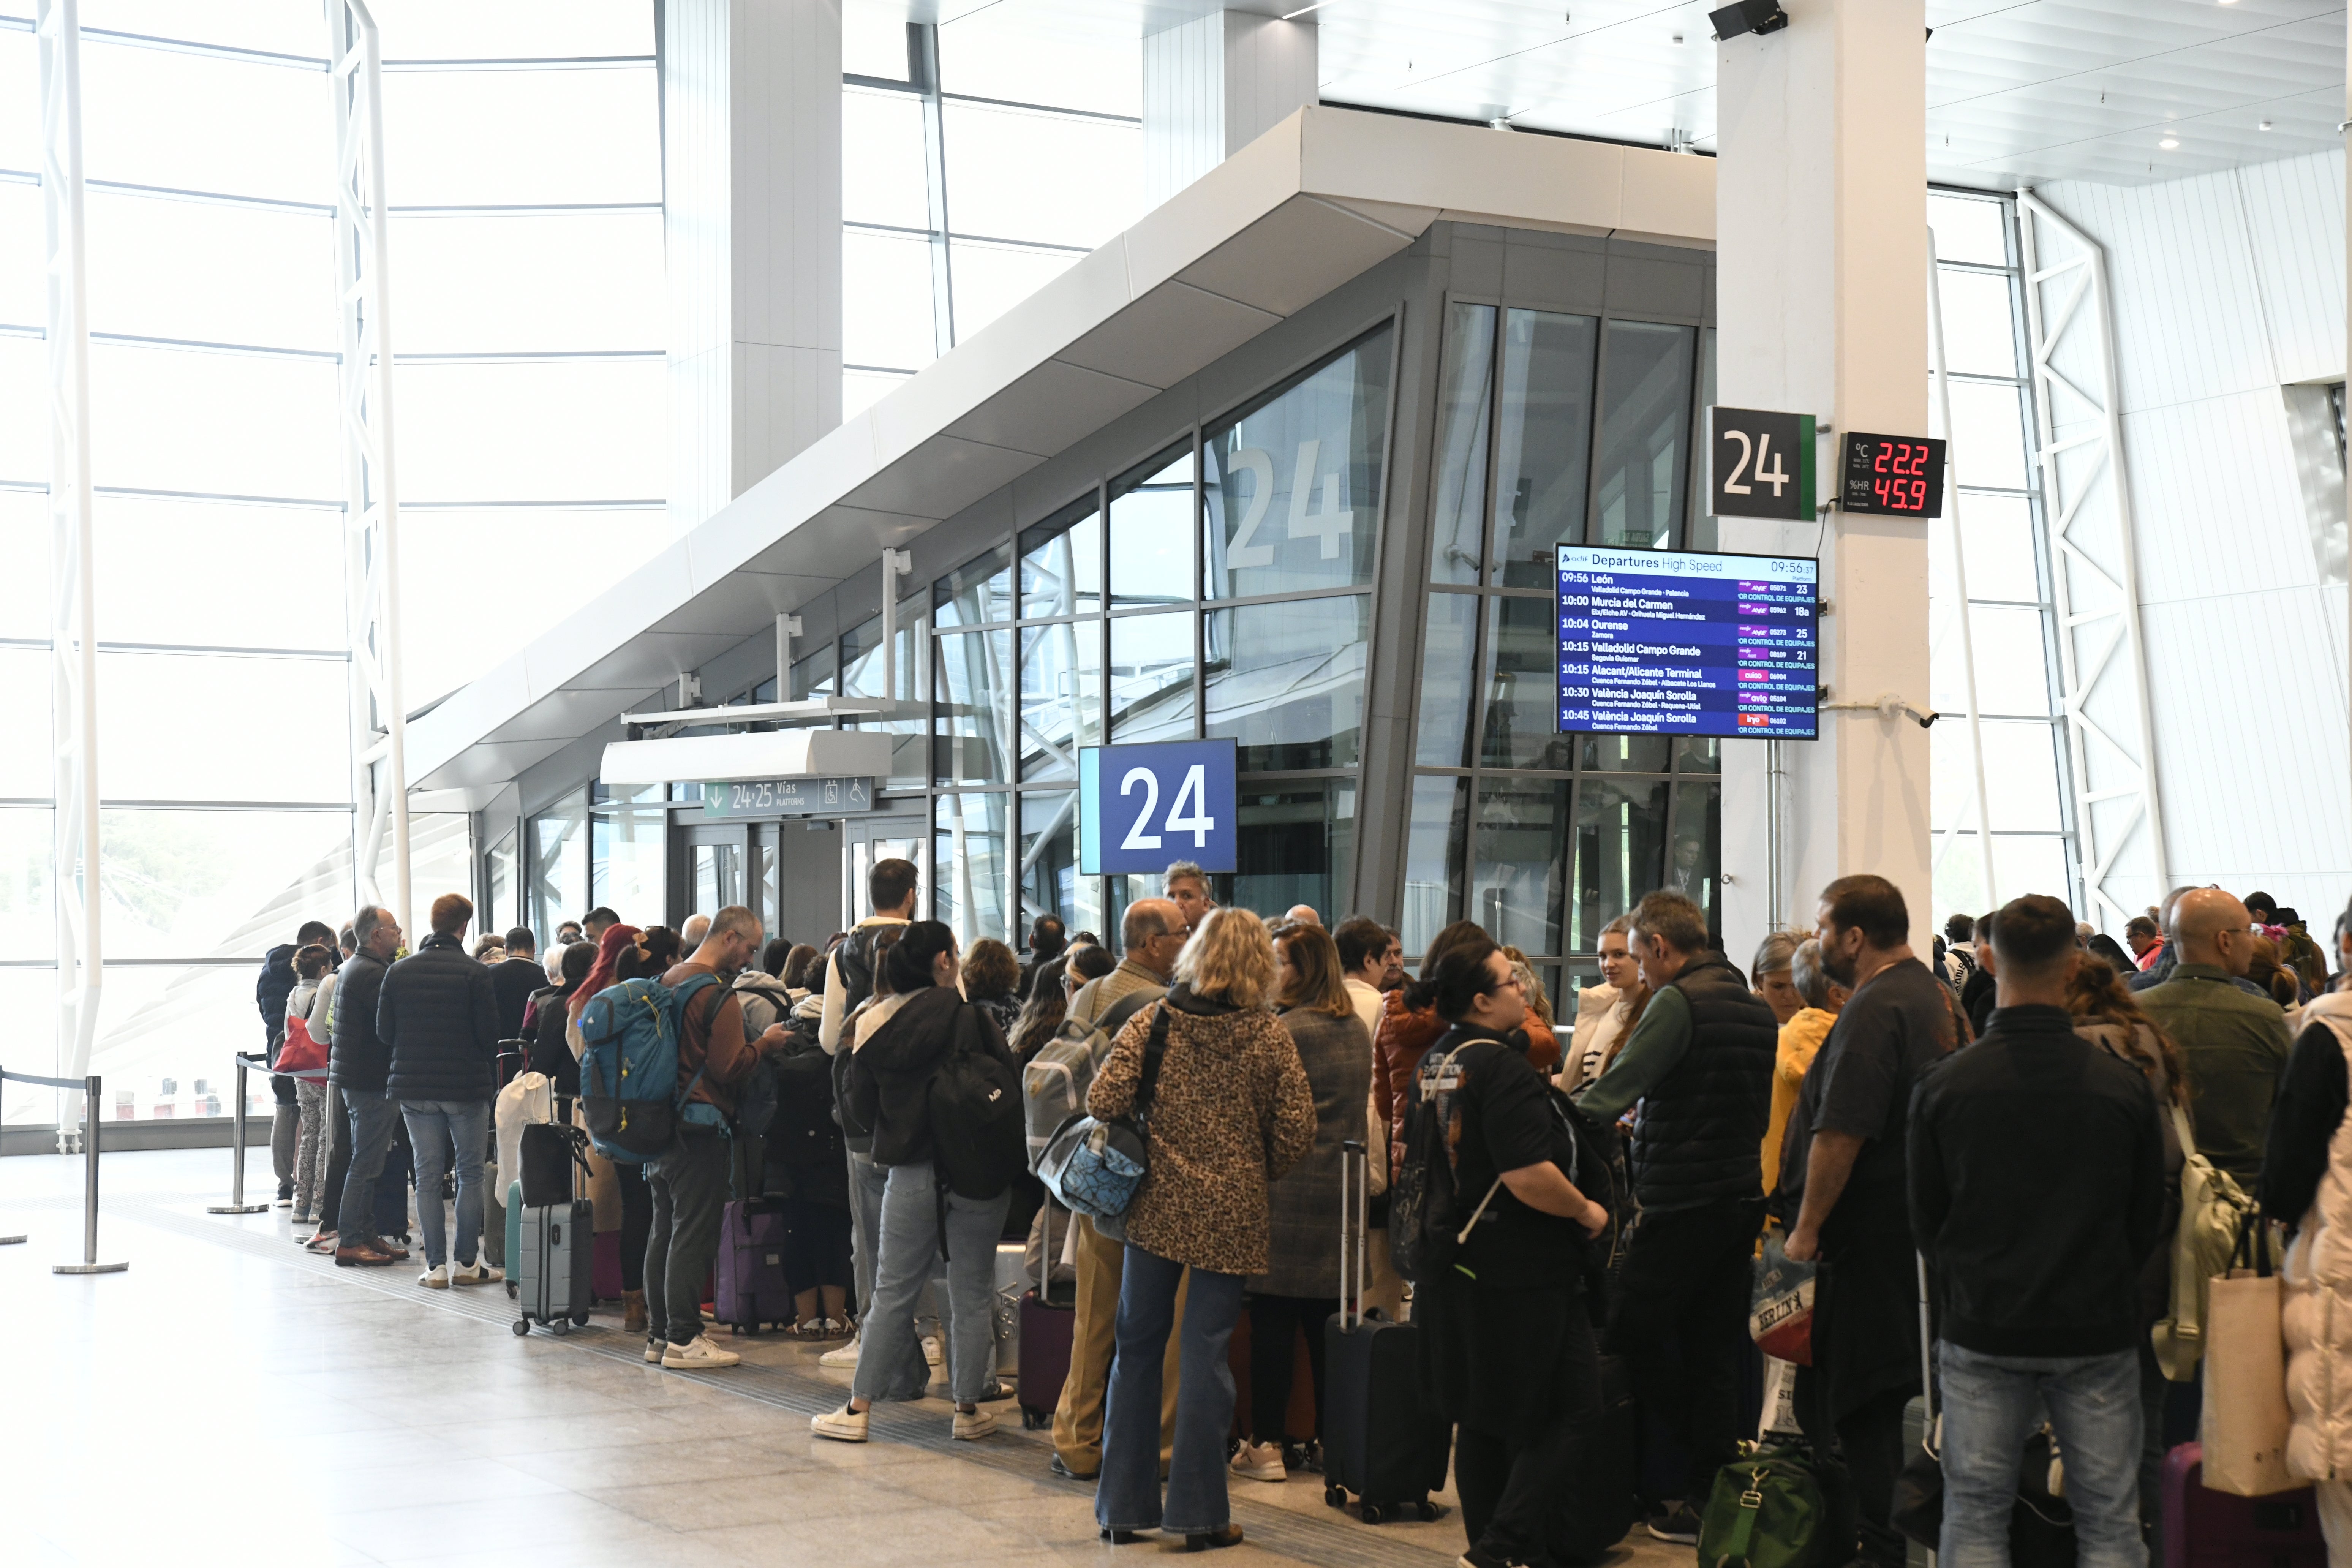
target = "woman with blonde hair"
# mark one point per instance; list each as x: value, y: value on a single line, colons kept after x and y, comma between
x: 1227, y: 1109
x: 1300, y: 1287
x: 1605, y: 1014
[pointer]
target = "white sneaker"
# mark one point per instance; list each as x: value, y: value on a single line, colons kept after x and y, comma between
x: 931, y: 1349
x: 840, y: 1355
x: 843, y: 1426
x: 700, y: 1355
x: 1260, y: 1462
x: 436, y: 1277
x: 655, y: 1347
x: 970, y: 1424
x: 475, y: 1274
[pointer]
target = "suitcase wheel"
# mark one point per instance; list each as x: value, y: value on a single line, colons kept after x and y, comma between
x: 580, y: 1319
x: 1031, y: 1421
x: 1335, y: 1496
x: 1373, y: 1514
x: 561, y: 1326
x: 523, y: 1327
x: 514, y: 1292
x: 1429, y: 1510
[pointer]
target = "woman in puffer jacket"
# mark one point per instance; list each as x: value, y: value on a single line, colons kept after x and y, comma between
x: 2307, y: 1183
x: 1231, y: 1109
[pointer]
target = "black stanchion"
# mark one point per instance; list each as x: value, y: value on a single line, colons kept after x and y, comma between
x: 91, y: 1098
x: 237, y: 1203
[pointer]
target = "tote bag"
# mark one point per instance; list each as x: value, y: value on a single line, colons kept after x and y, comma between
x: 2245, y: 1420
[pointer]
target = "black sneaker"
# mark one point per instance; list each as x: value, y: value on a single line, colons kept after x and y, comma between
x: 1479, y: 1557
x: 1679, y: 1525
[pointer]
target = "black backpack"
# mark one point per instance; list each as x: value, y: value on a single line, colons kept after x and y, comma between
x: 978, y: 1119
x: 803, y: 1133
x: 1425, y: 1223
x: 855, y: 959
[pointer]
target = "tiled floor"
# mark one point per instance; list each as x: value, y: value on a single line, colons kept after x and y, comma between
x: 231, y: 1399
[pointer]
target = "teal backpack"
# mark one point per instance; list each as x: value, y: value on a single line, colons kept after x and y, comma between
x: 629, y: 1066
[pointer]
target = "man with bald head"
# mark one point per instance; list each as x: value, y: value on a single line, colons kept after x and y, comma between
x: 1151, y: 934
x: 2233, y: 1044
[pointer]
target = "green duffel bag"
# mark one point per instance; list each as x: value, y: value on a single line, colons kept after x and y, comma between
x: 1765, y: 1512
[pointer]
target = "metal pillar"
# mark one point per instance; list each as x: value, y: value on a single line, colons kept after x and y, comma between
x: 923, y: 67
x: 371, y: 496
x: 73, y: 645
x: 1937, y: 368
x: 2120, y: 768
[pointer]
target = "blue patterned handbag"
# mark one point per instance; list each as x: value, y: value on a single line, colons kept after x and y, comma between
x: 1093, y: 1166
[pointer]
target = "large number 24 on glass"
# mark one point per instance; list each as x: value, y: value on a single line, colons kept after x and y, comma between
x: 1194, y: 789
x: 1330, y: 522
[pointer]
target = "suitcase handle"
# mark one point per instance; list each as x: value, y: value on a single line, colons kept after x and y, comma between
x: 1355, y: 1222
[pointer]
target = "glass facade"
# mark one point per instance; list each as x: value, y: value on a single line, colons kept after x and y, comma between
x: 1551, y: 428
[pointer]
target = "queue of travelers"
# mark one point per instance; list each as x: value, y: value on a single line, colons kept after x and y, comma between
x: 2003, y: 1121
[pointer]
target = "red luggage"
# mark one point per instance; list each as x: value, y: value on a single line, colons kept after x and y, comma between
x: 2206, y: 1529
x: 1046, y: 1327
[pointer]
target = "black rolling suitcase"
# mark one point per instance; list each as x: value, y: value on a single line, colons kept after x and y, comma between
x: 1380, y: 1442
x: 1599, y: 1501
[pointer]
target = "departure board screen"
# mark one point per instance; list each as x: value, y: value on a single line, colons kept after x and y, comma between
x: 1655, y: 642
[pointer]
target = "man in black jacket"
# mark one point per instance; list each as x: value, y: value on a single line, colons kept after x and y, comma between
x: 1700, y: 1065
x: 269, y: 993
x: 2036, y: 1189
x: 357, y: 1065
x: 438, y: 1017
x: 516, y: 979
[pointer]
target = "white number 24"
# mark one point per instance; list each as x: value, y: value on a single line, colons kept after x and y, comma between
x: 1776, y: 476
x: 1192, y: 795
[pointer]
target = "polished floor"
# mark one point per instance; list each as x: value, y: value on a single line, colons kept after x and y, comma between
x: 231, y: 1399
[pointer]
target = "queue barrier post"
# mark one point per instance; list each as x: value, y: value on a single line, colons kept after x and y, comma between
x: 91, y: 1097
x: 7, y: 1240
x: 237, y: 1203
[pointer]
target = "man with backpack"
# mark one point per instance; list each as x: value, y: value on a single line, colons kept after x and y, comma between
x: 890, y: 889
x: 2036, y: 1191
x: 689, y: 1178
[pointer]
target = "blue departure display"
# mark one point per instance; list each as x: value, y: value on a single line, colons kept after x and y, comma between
x: 1657, y: 642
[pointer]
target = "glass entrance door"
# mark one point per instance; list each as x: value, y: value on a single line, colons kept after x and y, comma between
x: 712, y: 862
x: 866, y: 839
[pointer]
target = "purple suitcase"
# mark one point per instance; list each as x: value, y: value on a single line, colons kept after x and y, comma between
x: 2207, y: 1528
x: 750, y: 1289
x: 1044, y: 1328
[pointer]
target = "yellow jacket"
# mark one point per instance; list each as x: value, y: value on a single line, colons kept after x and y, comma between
x: 1801, y: 1037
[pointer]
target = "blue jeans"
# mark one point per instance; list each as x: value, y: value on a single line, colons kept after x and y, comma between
x: 1991, y: 1405
x: 1128, y: 1497
x: 867, y: 1182
x: 372, y: 1114
x: 434, y: 1125
x: 890, y: 1363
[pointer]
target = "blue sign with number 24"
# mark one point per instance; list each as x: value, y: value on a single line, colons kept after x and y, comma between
x: 1141, y: 807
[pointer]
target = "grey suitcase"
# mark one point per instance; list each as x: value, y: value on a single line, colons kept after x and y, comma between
x: 554, y: 1264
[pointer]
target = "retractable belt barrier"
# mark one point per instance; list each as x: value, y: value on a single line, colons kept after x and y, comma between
x: 247, y: 1061
x: 90, y: 1103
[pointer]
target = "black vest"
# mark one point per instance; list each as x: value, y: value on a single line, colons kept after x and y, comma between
x: 1701, y: 1131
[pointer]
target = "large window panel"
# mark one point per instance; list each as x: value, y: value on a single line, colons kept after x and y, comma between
x: 1062, y: 563
x: 990, y: 280
x: 593, y: 431
x: 1522, y: 722
x: 1287, y: 682
x: 195, y: 122
x: 1050, y: 883
x: 1521, y: 842
x: 995, y: 157
x: 1969, y: 230
x: 23, y: 413
x: 23, y: 298
x: 460, y: 30
x: 1626, y: 753
x: 531, y: 283
x: 1465, y: 413
x: 166, y: 1039
x: 1079, y: 62
x: 886, y: 316
x: 473, y: 138
x: 873, y: 40
x: 1061, y: 697
x: 25, y: 606
x: 2011, y: 675
x: 1296, y: 844
x: 1545, y: 443
x: 1639, y: 481
x: 202, y: 884
x: 20, y: 108
x: 977, y: 594
x: 1694, y: 866
x: 1620, y: 831
x: 1997, y: 532
x: 862, y: 675
x: 973, y: 726
x: 1977, y: 337
x: 201, y: 271
x: 462, y: 619
x: 1446, y: 693
x: 1988, y: 436
x: 205, y: 727
x: 1152, y: 671
x: 882, y: 178
x: 218, y: 424
x: 28, y: 918
x: 628, y: 864
x: 31, y: 993
x: 172, y: 570
x: 1434, y: 859
x: 557, y: 841
x: 1292, y: 489
x: 275, y: 26
x: 26, y: 764
x: 2036, y: 861
x: 969, y: 848
x: 1152, y: 535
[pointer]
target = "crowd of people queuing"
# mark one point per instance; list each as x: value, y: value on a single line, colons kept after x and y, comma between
x: 2011, y: 1113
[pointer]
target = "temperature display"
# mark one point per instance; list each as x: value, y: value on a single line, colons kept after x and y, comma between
x: 1895, y: 476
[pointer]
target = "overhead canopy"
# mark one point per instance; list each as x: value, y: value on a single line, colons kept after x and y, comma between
x: 1315, y: 200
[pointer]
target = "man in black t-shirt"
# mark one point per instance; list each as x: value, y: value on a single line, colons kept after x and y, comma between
x: 1843, y: 1175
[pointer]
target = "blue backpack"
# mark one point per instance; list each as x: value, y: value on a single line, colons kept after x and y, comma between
x: 629, y: 1066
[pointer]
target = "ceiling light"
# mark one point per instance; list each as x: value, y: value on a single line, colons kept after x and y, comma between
x: 1294, y: 15
x: 2170, y: 142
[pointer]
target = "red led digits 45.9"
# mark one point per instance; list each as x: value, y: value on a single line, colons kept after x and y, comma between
x: 1895, y: 476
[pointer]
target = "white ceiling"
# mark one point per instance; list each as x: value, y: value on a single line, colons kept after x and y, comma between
x: 2017, y: 90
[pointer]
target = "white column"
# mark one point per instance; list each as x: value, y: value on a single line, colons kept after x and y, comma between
x: 1822, y: 258
x: 751, y: 177
x: 1215, y: 85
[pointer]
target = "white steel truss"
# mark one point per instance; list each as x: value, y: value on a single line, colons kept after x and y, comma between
x: 1978, y: 795
x: 2095, y: 576
x: 73, y: 656
x: 371, y: 496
